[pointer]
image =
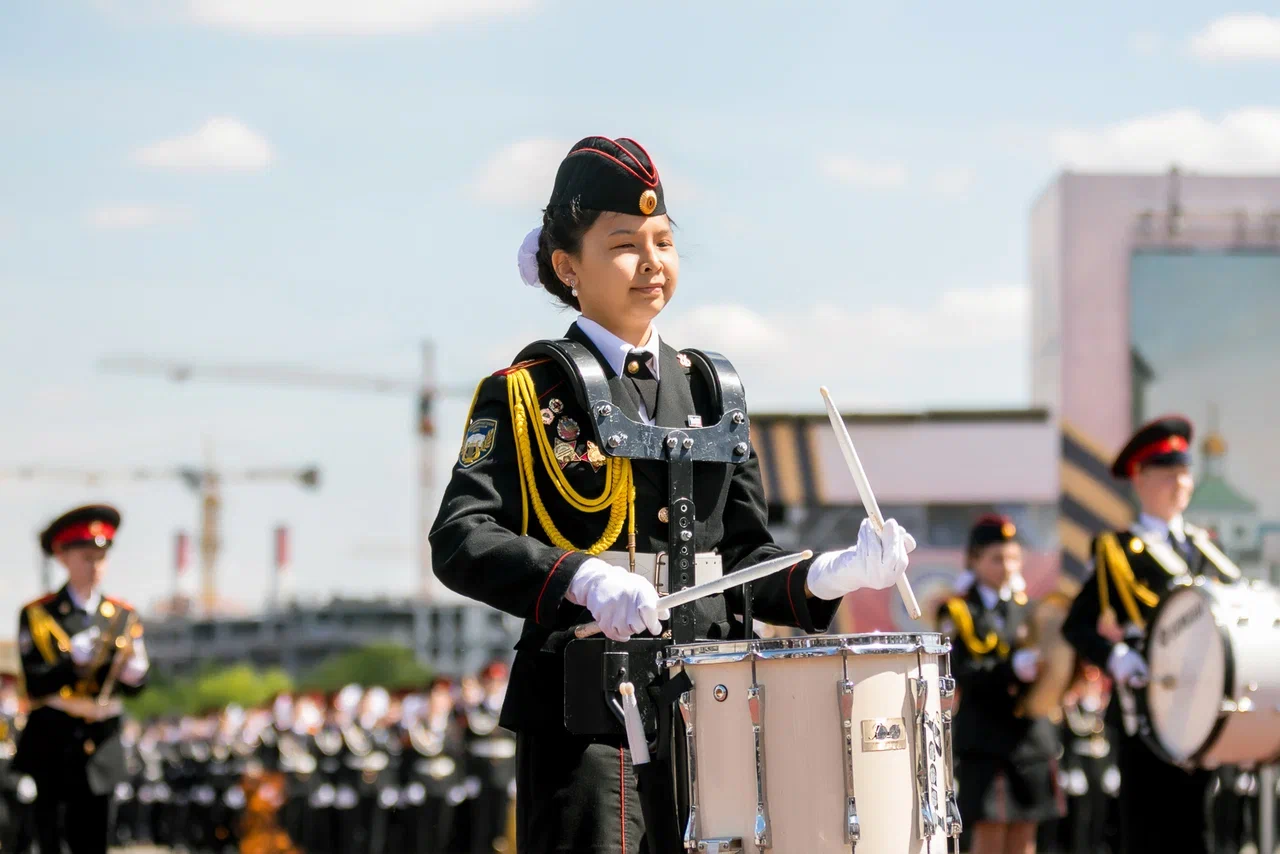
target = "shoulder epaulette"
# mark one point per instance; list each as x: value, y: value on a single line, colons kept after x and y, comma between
x: 43, y: 600
x: 119, y: 603
x: 529, y: 363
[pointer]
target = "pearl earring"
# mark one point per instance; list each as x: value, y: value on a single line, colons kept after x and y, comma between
x: 573, y: 287
x: 574, y: 292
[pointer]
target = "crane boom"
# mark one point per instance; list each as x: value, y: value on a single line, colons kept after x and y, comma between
x: 279, y: 375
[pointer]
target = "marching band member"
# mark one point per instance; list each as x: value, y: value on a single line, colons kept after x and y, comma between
x: 1005, y: 763
x: 1162, y: 807
x: 534, y: 504
x: 78, y: 648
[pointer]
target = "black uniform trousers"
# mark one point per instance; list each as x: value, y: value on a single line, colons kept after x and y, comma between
x: 562, y: 778
x: 68, y: 811
x: 1162, y: 807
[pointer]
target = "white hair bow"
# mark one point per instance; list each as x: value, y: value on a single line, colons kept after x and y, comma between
x: 528, y: 258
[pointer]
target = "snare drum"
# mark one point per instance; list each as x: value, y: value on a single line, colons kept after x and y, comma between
x: 815, y: 744
x: 1214, y: 692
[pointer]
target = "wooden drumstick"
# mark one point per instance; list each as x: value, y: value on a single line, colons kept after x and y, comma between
x: 864, y: 492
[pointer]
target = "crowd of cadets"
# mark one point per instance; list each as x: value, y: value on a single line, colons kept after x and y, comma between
x: 362, y: 770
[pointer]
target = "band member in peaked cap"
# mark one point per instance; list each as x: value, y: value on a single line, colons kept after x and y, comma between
x: 80, y: 650
x: 1005, y: 760
x: 1162, y: 808
x: 545, y: 519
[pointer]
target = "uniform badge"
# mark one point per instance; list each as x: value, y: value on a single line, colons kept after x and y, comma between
x: 648, y: 202
x: 565, y: 454
x: 479, y: 441
x: 595, y: 457
x: 555, y: 405
x: 64, y: 608
x: 548, y: 416
x: 108, y: 610
x: 567, y: 429
x: 683, y: 360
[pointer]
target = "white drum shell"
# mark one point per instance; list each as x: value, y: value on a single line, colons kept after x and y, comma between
x: 1214, y: 694
x: 804, y: 745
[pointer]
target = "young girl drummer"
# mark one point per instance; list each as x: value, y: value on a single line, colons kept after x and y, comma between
x: 537, y: 519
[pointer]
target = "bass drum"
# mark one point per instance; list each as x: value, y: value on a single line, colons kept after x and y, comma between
x: 1214, y: 693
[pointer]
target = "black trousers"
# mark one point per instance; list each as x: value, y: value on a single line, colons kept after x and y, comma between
x: 1162, y: 807
x: 573, y: 795
x: 69, y: 812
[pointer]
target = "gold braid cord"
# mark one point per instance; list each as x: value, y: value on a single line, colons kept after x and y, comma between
x: 963, y: 619
x: 47, y: 635
x: 1110, y: 560
x: 618, y: 495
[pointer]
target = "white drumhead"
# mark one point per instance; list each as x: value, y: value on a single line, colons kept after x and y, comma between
x: 1187, y: 659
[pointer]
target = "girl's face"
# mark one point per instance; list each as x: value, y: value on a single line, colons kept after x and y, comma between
x: 995, y: 564
x: 625, y: 273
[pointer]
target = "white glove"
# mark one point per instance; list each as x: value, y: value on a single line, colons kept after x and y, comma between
x: 136, y: 667
x: 622, y: 602
x: 82, y: 645
x: 875, y: 561
x: 1126, y: 666
x: 1026, y: 664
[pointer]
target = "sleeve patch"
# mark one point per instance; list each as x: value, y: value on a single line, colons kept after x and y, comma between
x: 482, y: 434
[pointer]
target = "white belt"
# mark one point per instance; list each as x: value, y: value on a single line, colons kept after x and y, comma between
x: 706, y: 566
x: 85, y: 708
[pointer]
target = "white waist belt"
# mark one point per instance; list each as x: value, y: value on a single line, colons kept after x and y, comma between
x: 706, y: 567
x: 85, y: 708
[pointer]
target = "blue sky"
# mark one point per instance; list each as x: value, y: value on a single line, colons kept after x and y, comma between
x: 236, y: 181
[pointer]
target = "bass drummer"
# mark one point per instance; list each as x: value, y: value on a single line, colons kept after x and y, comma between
x: 1162, y: 807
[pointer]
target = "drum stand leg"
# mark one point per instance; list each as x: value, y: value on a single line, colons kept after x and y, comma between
x: 1267, y: 809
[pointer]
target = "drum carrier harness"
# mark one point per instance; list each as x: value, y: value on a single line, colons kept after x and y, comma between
x: 594, y: 668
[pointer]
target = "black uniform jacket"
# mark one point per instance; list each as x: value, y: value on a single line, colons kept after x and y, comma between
x: 1155, y: 567
x: 479, y: 552
x: 57, y: 747
x: 987, y: 722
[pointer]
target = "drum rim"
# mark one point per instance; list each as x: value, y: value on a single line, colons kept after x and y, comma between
x: 1145, y: 729
x: 806, y: 646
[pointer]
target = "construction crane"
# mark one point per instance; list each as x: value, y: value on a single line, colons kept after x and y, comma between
x: 424, y: 389
x: 206, y: 481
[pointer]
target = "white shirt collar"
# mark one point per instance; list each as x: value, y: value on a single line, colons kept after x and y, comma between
x: 989, y: 596
x: 1161, y: 528
x: 90, y: 605
x: 615, y: 350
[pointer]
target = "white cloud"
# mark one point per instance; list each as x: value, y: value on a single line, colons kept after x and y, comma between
x: 221, y: 144
x: 130, y: 216
x: 885, y: 354
x: 1146, y: 43
x: 864, y: 173
x: 345, y: 17
x: 522, y: 173
x: 1239, y: 37
x: 953, y: 180
x: 1241, y: 141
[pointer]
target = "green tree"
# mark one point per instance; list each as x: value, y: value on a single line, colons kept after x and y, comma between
x: 389, y: 665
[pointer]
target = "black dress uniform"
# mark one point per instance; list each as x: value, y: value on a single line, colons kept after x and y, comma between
x: 507, y: 535
x: 1006, y: 764
x: 1163, y: 807
x: 71, y: 745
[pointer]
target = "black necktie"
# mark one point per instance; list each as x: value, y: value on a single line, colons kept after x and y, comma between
x: 640, y: 380
x: 1182, y: 547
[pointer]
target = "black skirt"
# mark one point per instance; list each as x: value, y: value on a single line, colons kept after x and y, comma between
x: 1005, y: 791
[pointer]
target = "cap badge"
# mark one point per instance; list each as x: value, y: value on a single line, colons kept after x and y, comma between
x: 648, y: 202
x: 1007, y: 530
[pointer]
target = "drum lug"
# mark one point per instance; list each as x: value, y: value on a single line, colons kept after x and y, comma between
x: 691, y: 841
x: 755, y: 704
x: 926, y: 771
x: 852, y: 830
x: 947, y: 693
x: 722, y: 845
